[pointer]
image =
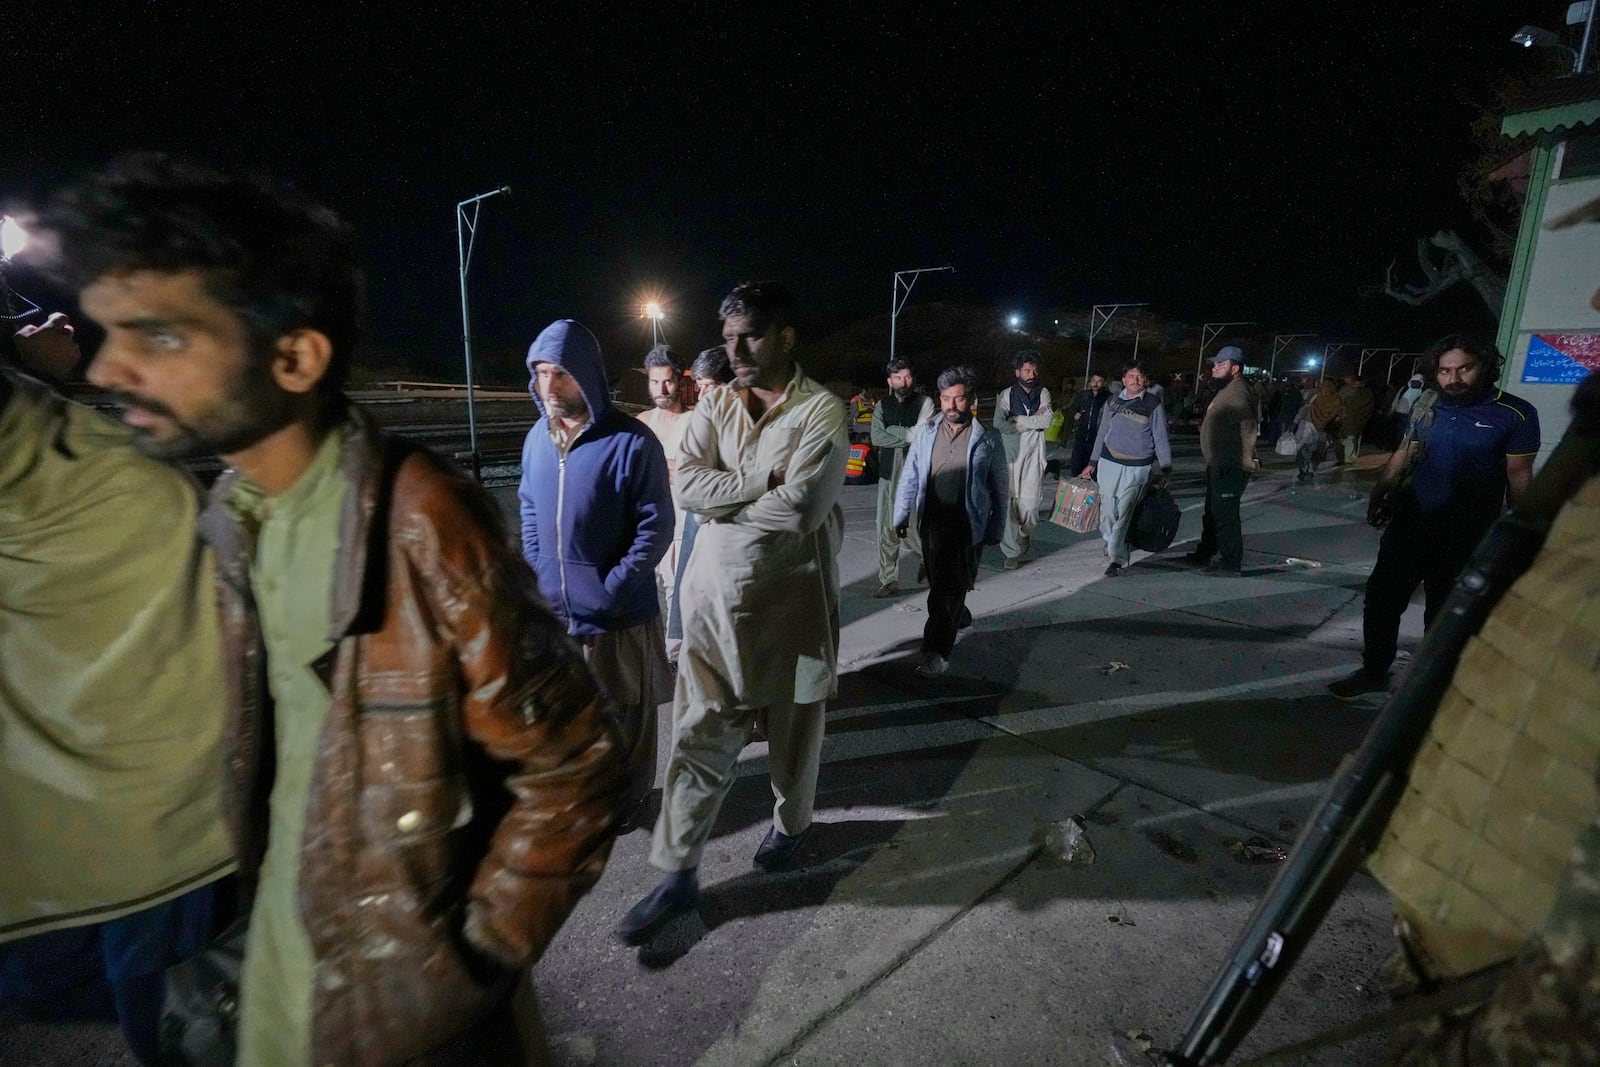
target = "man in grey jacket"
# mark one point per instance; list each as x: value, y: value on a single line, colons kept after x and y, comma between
x: 1132, y: 436
x: 954, y: 490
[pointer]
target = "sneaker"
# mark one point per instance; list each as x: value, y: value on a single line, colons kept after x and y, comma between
x: 887, y: 589
x: 1114, y: 570
x: 933, y: 665
x: 1012, y: 563
x: 778, y: 848
x: 1359, y: 684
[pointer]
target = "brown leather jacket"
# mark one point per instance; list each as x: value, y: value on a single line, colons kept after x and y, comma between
x: 465, y: 789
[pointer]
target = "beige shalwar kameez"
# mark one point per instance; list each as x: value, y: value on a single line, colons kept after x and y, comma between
x: 1024, y: 440
x: 760, y: 606
x: 891, y: 443
x: 668, y: 426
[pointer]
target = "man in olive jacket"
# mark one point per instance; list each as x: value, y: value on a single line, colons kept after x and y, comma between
x: 1228, y: 446
x: 420, y: 776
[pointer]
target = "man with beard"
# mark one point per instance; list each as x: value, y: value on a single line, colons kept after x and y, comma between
x: 419, y: 775
x: 893, y: 420
x: 1228, y: 447
x: 1022, y: 415
x: 597, y: 517
x: 667, y: 418
x: 954, y: 488
x: 1086, y: 411
x: 762, y: 464
x: 1461, y: 459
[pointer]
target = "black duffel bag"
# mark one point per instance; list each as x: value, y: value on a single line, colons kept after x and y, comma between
x: 1155, y: 521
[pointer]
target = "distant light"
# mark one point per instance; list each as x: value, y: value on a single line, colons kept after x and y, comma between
x: 1529, y: 36
x: 1311, y: 361
x: 1015, y: 321
x: 13, y: 238
x: 652, y: 310
x: 1058, y: 322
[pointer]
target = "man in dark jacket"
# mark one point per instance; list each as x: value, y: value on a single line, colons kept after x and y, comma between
x: 1086, y: 411
x: 596, y: 520
x: 1228, y: 446
x: 419, y: 774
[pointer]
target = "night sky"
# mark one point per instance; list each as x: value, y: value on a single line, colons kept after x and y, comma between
x: 1258, y: 161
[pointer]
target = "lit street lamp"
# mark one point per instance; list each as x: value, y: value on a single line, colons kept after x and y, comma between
x: 653, y: 311
x: 1015, y: 321
x: 1280, y: 341
x: 466, y: 233
x: 13, y: 239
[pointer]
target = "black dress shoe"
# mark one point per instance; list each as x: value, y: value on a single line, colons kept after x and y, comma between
x: 1197, y: 559
x: 1113, y: 570
x: 659, y: 907
x: 779, y: 848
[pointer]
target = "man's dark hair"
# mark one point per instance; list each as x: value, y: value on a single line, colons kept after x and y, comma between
x: 768, y: 302
x: 712, y: 365
x: 895, y: 366
x: 1135, y: 365
x: 663, y: 356
x: 951, y: 377
x: 1479, y: 348
x: 1027, y: 355
x: 264, y: 251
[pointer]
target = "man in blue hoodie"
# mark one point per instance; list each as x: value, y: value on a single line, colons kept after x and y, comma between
x: 596, y: 519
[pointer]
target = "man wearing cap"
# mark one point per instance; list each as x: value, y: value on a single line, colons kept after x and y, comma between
x: 1228, y: 446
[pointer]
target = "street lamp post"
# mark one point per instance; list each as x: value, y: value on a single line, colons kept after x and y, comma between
x: 1208, y: 333
x: 1280, y: 341
x: 1099, y: 315
x: 13, y: 238
x: 1388, y: 377
x: 466, y: 233
x: 1368, y: 353
x: 654, y: 312
x: 901, y: 293
x: 1329, y: 351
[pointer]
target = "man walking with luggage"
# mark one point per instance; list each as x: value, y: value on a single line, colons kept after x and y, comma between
x: 1131, y: 440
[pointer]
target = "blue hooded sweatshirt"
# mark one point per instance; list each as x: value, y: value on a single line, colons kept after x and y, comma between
x: 596, y: 521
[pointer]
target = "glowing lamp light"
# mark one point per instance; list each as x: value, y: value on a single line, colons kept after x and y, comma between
x: 653, y: 310
x: 13, y: 238
x: 1015, y: 321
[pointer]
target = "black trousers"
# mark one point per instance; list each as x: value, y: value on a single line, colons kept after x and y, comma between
x: 1220, y: 532
x: 952, y: 561
x: 1415, y: 550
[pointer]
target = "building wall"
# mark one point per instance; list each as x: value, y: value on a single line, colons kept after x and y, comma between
x: 1559, y: 271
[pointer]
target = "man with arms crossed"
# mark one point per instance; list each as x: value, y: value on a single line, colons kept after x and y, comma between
x: 1022, y: 415
x: 762, y: 464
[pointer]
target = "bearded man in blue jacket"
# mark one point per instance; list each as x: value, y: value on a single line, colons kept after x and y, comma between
x: 596, y: 519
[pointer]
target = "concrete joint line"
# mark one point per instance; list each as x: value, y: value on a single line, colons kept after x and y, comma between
x: 788, y: 1052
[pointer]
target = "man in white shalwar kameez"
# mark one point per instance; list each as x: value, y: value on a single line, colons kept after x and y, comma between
x: 1022, y: 414
x: 762, y: 465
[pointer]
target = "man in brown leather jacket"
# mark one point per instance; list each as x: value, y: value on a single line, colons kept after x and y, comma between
x: 420, y: 777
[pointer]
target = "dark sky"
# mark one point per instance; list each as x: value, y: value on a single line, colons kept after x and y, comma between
x: 1233, y: 160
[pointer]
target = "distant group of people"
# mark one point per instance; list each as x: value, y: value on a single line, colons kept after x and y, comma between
x: 337, y: 683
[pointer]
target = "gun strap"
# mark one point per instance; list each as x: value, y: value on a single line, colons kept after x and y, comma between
x: 1467, y: 992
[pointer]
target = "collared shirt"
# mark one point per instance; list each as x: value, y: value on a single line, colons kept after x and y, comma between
x: 1462, y: 465
x: 947, y: 469
x: 296, y: 539
x: 761, y: 589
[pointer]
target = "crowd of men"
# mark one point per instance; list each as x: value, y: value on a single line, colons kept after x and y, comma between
x: 410, y: 746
